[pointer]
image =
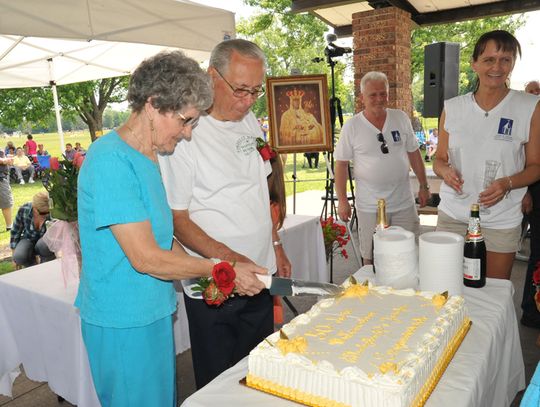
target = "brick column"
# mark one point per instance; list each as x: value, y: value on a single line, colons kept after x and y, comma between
x: 382, y: 42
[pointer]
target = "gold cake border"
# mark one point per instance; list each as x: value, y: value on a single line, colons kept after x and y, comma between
x: 310, y: 400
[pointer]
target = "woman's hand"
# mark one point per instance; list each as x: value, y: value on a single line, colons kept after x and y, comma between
x: 453, y: 179
x: 246, y: 281
x: 494, y: 193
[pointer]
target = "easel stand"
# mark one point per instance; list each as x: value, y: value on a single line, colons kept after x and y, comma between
x: 329, y: 197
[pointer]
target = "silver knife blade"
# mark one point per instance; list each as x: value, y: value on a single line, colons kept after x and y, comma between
x: 292, y: 287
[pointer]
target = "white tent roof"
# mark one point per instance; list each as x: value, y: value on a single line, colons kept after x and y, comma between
x: 91, y: 39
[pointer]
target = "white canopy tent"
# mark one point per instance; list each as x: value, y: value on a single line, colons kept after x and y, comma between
x: 49, y: 43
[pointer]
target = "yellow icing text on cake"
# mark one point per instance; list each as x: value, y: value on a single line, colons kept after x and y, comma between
x: 320, y: 331
x: 388, y: 367
x: 396, y: 312
x: 343, y: 315
x: 366, y: 342
x: 296, y: 345
x: 343, y: 336
x: 404, y: 338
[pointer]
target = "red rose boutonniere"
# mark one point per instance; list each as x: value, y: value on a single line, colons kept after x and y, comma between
x: 216, y: 289
x: 265, y: 150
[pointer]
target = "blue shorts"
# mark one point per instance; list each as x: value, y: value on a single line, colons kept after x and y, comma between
x: 133, y: 367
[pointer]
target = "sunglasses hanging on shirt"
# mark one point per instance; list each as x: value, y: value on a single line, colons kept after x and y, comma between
x: 384, y: 146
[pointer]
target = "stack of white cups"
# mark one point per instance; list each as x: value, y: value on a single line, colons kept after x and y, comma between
x: 395, y: 256
x: 441, y: 262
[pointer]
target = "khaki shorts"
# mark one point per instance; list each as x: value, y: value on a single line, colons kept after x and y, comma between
x: 497, y: 240
x: 406, y: 218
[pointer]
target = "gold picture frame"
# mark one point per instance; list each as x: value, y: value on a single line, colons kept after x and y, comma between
x: 299, y: 115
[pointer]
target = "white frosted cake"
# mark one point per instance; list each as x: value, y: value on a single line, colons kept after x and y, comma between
x: 371, y: 346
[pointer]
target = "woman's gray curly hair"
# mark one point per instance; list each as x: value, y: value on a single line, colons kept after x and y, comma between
x: 172, y: 81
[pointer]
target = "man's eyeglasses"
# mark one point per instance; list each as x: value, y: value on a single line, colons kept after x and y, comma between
x: 189, y: 121
x: 384, y: 146
x: 43, y: 213
x: 242, y: 92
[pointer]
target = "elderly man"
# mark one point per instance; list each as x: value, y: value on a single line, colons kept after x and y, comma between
x: 382, y: 144
x: 21, y: 163
x: 533, y: 87
x: 216, y: 185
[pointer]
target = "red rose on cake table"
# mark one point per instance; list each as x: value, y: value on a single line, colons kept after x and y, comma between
x: 224, y: 275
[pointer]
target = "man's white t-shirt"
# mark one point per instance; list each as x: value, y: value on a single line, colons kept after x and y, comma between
x: 500, y: 135
x: 221, y: 179
x: 378, y: 175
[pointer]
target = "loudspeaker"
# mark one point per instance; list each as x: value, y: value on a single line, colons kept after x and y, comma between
x: 441, y: 76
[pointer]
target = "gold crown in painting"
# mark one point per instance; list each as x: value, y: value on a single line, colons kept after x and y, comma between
x: 295, y: 94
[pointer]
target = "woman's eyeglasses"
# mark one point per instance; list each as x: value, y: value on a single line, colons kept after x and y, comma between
x: 189, y: 121
x: 384, y: 146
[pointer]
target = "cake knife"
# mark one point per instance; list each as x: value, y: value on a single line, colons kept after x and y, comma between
x: 292, y: 287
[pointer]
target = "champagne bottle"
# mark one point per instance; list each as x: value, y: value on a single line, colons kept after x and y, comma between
x: 382, y: 222
x: 474, y: 256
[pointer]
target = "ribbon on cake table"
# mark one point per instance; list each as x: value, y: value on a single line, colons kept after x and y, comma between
x: 62, y: 238
x: 441, y: 262
x: 395, y: 258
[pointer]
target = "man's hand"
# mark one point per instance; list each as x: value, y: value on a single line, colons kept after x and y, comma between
x: 282, y: 262
x: 423, y: 196
x: 246, y: 281
x: 527, y: 203
x: 344, y: 210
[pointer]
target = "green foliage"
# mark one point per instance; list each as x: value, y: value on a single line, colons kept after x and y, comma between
x: 62, y: 187
x: 84, y: 101
x: 291, y: 41
x: 465, y: 33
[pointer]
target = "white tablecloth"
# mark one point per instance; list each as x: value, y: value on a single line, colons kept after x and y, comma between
x: 487, y: 370
x: 40, y: 328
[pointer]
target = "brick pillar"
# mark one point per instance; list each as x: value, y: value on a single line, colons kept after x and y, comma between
x: 382, y: 42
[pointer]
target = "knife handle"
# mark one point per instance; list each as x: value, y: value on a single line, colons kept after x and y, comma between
x: 266, y: 279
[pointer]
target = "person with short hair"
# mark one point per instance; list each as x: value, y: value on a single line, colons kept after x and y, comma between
x: 21, y: 163
x: 28, y: 230
x: 492, y: 124
x: 30, y: 146
x: 432, y: 145
x: 69, y: 152
x: 383, y: 146
x: 41, y: 150
x: 126, y: 295
x: 217, y: 188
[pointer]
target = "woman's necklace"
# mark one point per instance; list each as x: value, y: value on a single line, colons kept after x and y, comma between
x: 135, y: 136
x: 494, y: 105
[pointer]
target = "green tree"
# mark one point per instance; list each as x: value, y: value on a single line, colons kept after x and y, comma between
x: 290, y: 42
x: 465, y: 33
x: 86, y: 101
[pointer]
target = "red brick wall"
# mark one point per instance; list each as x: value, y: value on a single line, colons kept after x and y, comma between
x: 382, y: 42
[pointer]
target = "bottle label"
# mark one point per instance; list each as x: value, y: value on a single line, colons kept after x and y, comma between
x: 471, y: 268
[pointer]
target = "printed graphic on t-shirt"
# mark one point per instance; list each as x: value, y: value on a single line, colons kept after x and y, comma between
x: 505, y: 129
x: 396, y: 136
x: 246, y: 145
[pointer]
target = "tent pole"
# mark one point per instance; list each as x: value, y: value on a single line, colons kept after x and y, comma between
x: 58, y: 118
x: 52, y: 83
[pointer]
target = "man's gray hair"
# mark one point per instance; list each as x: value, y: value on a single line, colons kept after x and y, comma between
x: 373, y: 76
x: 221, y: 54
x: 172, y: 81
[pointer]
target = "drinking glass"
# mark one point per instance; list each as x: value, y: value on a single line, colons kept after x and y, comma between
x: 454, y: 155
x: 490, y: 171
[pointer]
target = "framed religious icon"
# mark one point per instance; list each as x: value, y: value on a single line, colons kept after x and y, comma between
x: 299, y: 113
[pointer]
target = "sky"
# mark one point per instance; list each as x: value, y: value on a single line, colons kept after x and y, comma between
x: 527, y: 68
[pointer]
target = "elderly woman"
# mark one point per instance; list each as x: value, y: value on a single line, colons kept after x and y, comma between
x: 126, y: 297
x: 27, y: 232
x: 493, y: 124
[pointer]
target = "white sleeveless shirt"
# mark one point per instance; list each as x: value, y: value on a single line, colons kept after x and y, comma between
x: 501, y: 135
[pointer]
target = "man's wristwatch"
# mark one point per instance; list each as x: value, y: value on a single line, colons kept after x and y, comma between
x: 277, y: 243
x: 424, y: 186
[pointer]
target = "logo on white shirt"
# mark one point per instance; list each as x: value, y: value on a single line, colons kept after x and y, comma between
x: 396, y: 136
x: 505, y: 129
x: 246, y: 145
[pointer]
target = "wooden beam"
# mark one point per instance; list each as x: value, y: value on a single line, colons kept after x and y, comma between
x: 300, y: 6
x: 479, y: 11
